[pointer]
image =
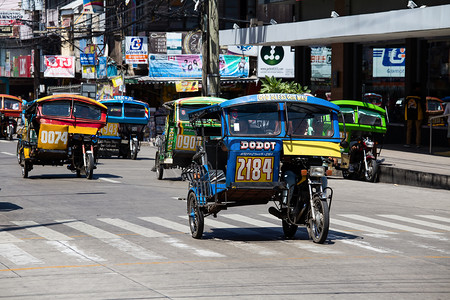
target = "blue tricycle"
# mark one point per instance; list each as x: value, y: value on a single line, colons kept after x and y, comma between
x: 269, y: 148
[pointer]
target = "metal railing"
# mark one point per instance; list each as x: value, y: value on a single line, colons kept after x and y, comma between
x: 431, y: 127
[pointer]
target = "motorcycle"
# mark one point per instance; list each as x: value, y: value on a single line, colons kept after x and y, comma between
x: 363, y: 163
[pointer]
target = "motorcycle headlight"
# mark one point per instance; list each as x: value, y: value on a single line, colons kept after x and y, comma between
x: 369, y: 144
x: 317, y: 171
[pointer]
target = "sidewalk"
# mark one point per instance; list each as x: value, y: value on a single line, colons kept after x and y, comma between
x: 416, y: 167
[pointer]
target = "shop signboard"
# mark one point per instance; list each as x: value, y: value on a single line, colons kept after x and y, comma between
x: 24, y: 66
x: 136, y: 50
x: 174, y: 43
x: 11, y: 17
x: 276, y: 61
x: 389, y: 62
x: 59, y: 66
x: 190, y: 66
x: 320, y: 62
x: 171, y: 43
x: 247, y: 50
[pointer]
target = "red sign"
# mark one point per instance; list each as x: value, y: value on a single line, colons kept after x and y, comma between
x: 59, y: 66
x: 25, y: 66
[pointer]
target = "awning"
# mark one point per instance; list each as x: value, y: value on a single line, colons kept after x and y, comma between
x: 153, y: 80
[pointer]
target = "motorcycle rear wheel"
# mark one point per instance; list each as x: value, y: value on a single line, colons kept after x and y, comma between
x: 372, y: 171
x: 318, y: 229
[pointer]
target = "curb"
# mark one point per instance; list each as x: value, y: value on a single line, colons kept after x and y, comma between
x: 413, y: 178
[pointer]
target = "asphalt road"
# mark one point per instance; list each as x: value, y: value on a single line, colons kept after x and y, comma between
x: 124, y: 235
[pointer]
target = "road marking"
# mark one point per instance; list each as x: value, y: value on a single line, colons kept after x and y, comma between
x: 199, y: 252
x: 419, y: 222
x: 109, y: 180
x: 252, y: 221
x: 168, y: 224
x: 308, y: 246
x: 141, y: 230
x: 363, y: 244
x: 17, y: 255
x: 359, y: 227
x: 112, y: 240
x: 10, y: 154
x: 253, y: 248
x: 226, y: 226
x: 436, y: 218
x: 43, y: 231
x: 388, y: 224
x: 6, y: 237
x: 72, y: 250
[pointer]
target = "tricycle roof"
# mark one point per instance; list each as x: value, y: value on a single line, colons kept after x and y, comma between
x: 124, y: 100
x: 194, y: 101
x: 357, y: 103
x: 68, y: 97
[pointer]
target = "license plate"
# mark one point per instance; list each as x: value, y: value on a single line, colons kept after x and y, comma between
x: 254, y: 169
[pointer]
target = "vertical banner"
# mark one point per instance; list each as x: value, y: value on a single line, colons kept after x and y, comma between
x: 25, y: 66
x: 276, y: 61
x: 102, y: 67
x: 136, y: 50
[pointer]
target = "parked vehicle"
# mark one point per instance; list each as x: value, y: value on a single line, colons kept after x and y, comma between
x: 435, y: 107
x: 122, y: 135
x: 61, y: 130
x: 178, y: 143
x: 10, y: 113
x: 375, y: 99
x: 363, y: 125
x: 269, y: 147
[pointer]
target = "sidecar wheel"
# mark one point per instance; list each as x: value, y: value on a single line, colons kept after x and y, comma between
x: 89, y: 165
x: 196, y: 218
x: 158, y: 167
x: 318, y: 229
x: 289, y: 230
x: 372, y: 171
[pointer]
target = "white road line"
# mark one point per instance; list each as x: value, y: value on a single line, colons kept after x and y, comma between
x: 308, y: 246
x: 419, y: 222
x: 109, y: 180
x: 226, y: 226
x: 112, y: 240
x: 199, y: 252
x: 168, y: 224
x: 436, y: 218
x: 253, y: 248
x: 388, y: 224
x: 7, y: 153
x: 6, y: 237
x: 141, y: 230
x: 17, y: 255
x: 72, y: 250
x: 43, y: 231
x: 334, y: 221
x: 252, y: 221
x: 368, y: 246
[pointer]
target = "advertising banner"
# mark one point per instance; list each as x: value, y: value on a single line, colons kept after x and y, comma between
x: 186, y: 86
x: 389, y: 62
x: 190, y: 66
x: 25, y: 66
x: 102, y: 67
x: 276, y: 61
x: 11, y: 17
x: 92, y: 6
x: 136, y: 50
x: 171, y: 43
x: 320, y: 62
x: 59, y: 66
x: 88, y: 72
x: 247, y: 50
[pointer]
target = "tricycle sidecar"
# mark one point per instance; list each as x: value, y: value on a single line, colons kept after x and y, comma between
x: 124, y: 131
x: 364, y: 126
x: 270, y: 147
x: 10, y: 112
x: 178, y: 143
x: 59, y: 130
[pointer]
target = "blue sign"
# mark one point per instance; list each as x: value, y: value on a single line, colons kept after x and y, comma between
x: 87, y: 59
x: 125, y: 98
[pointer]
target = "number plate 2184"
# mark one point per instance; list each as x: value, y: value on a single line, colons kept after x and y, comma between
x: 254, y: 169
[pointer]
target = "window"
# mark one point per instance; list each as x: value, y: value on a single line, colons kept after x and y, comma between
x: 367, y: 117
x: 56, y: 108
x: 85, y: 111
x: 250, y: 119
x: 12, y: 104
x: 348, y: 114
x: 134, y: 110
x: 308, y: 121
x: 184, y: 110
x: 114, y: 110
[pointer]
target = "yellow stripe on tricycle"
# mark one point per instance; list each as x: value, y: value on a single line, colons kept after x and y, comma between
x: 313, y: 148
x: 83, y: 130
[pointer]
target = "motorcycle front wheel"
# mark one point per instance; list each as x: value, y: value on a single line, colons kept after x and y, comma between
x: 89, y: 165
x: 318, y: 228
x: 158, y: 167
x: 371, y: 173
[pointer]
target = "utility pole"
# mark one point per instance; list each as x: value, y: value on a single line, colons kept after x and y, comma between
x: 37, y: 55
x: 210, y: 49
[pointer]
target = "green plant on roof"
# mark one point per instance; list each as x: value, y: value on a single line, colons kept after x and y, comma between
x: 273, y: 85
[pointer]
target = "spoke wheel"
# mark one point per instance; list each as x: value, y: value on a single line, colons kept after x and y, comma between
x: 289, y: 230
x: 196, y: 218
x: 89, y: 165
x: 134, y: 149
x: 19, y: 153
x: 318, y: 229
x: 158, y: 167
x: 372, y: 171
x: 25, y: 169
